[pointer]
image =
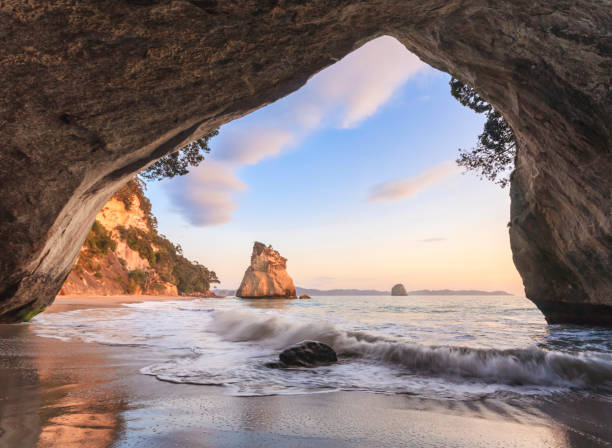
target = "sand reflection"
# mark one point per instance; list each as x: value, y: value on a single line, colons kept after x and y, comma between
x: 281, y: 304
x: 61, y: 395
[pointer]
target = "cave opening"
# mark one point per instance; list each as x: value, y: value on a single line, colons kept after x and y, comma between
x: 356, y: 168
x: 126, y: 94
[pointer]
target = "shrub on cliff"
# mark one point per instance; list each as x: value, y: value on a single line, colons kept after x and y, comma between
x: 493, y: 156
x: 167, y: 260
x: 136, y: 279
x: 99, y: 241
x: 178, y: 163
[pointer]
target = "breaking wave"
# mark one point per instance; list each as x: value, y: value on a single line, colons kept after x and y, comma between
x: 514, y: 367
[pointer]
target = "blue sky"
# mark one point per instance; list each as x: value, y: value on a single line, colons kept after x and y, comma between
x: 352, y: 179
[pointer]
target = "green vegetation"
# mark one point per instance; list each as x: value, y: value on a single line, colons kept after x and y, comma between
x: 137, y: 279
x: 192, y: 277
x: 493, y: 156
x: 97, y: 244
x: 27, y: 316
x: 177, y: 163
x: 167, y: 260
x: 99, y: 241
x: 135, y: 188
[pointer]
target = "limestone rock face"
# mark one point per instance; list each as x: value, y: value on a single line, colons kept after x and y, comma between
x: 112, y: 269
x: 92, y: 92
x: 399, y: 290
x: 266, y: 276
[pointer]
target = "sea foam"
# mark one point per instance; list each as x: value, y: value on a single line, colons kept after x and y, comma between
x: 517, y: 367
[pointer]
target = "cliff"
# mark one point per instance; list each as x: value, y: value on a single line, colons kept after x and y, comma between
x: 124, y: 254
x: 93, y: 92
x: 266, y: 276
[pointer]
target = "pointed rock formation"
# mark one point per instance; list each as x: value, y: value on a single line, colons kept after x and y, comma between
x: 267, y: 276
x: 398, y: 290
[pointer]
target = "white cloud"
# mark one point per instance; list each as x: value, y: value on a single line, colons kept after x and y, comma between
x: 341, y: 96
x: 402, y: 188
x: 365, y: 79
x: 204, y: 197
x: 247, y: 146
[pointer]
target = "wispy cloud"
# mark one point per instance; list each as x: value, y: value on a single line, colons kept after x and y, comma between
x: 204, y: 197
x: 247, y: 146
x: 357, y: 86
x: 432, y: 240
x: 342, y: 96
x: 403, y: 188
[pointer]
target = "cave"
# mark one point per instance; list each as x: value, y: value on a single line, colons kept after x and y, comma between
x: 93, y: 92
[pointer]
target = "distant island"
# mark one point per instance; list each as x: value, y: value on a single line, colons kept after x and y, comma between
x: 374, y: 292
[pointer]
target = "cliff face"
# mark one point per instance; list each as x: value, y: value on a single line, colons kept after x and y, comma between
x: 266, y: 276
x: 123, y: 254
x: 95, y: 91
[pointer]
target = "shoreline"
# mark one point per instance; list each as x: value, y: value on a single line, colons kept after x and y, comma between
x: 69, y: 303
x: 74, y: 393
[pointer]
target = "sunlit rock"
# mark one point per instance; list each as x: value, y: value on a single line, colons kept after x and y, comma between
x: 266, y: 276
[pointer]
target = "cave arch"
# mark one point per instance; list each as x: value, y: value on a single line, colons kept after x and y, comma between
x: 95, y: 91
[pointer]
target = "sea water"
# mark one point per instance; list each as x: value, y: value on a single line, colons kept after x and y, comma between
x: 443, y: 347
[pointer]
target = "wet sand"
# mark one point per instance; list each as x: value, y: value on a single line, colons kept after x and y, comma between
x: 72, y: 394
x: 67, y: 303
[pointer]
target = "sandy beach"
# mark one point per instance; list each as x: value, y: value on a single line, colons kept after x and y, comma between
x: 67, y: 303
x: 71, y: 394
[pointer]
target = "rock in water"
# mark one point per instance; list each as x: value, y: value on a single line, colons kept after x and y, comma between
x: 304, y: 296
x: 308, y: 354
x: 399, y: 290
x: 267, y: 276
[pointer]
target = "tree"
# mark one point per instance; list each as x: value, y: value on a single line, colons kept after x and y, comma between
x: 493, y: 156
x: 178, y: 163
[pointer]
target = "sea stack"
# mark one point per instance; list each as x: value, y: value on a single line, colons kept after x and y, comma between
x: 399, y: 290
x: 267, y: 276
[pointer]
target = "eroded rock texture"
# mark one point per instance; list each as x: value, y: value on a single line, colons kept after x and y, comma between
x: 94, y: 91
x: 267, y: 276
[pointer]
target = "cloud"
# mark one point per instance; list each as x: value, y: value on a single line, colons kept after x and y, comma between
x: 404, y: 188
x: 204, y: 197
x: 247, y: 146
x: 354, y: 88
x: 341, y: 96
x: 432, y: 240
x: 365, y: 79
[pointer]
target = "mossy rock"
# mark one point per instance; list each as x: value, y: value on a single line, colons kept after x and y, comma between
x: 27, y: 315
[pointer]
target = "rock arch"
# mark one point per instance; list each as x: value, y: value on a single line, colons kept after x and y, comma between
x: 95, y: 91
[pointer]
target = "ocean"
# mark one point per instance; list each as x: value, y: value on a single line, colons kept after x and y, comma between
x: 435, y: 347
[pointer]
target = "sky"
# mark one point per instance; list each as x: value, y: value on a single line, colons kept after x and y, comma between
x: 351, y: 178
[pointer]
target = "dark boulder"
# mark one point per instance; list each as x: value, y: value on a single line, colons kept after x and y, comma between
x: 308, y: 354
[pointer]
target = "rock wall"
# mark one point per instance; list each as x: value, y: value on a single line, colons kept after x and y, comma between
x: 108, y: 274
x: 267, y: 276
x: 95, y: 91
